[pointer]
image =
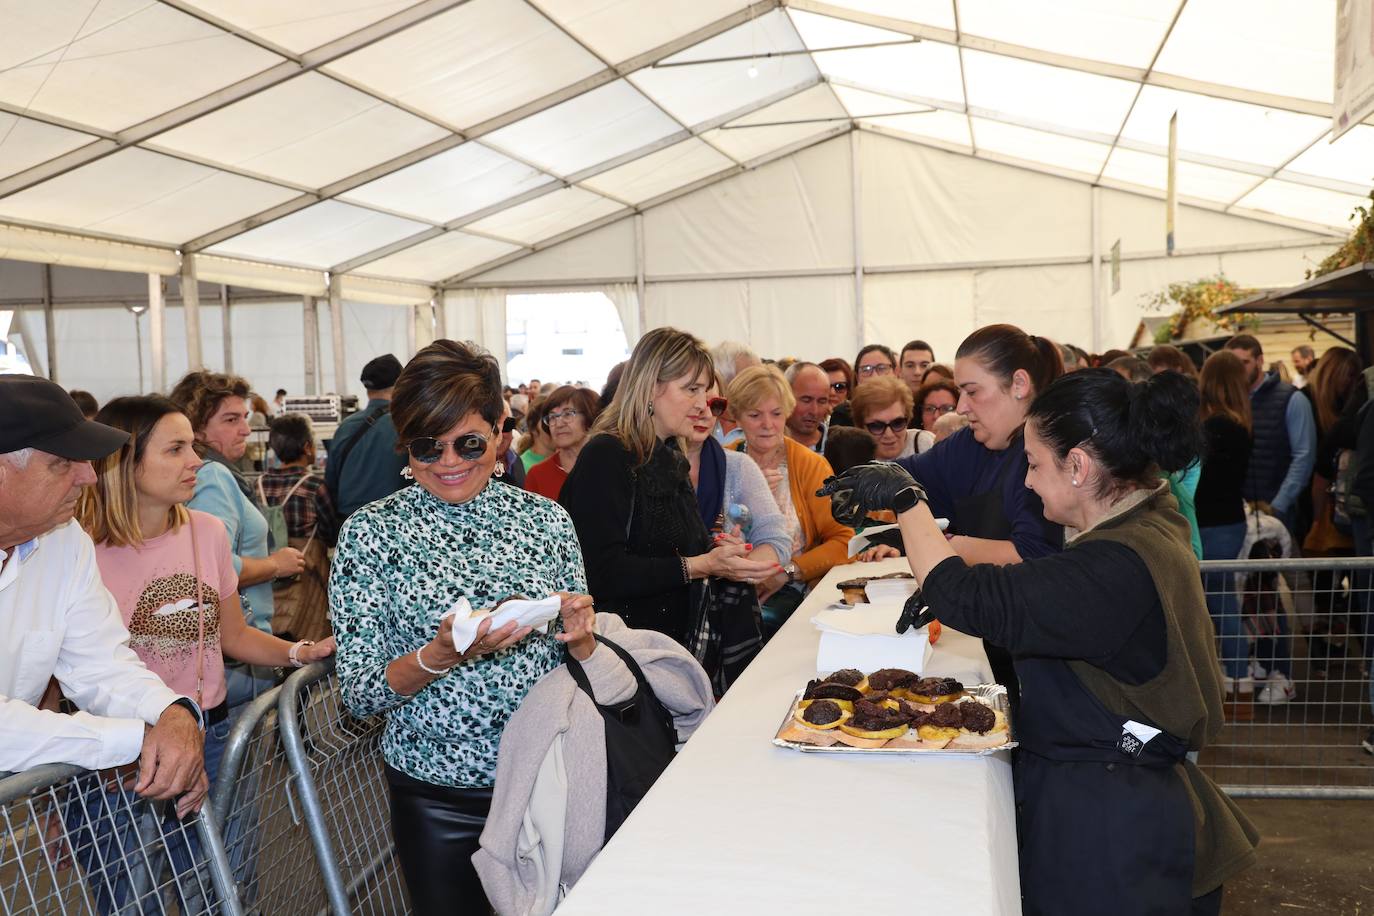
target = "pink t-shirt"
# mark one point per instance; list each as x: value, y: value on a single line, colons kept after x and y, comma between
x: 155, y: 588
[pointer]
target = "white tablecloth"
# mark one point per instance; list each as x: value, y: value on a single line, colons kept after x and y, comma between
x: 737, y: 825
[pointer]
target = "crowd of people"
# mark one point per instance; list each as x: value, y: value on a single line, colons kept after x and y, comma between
x: 158, y: 587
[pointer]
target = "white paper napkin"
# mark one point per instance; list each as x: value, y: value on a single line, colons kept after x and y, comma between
x: 525, y: 614
x: 860, y: 542
x: 869, y: 653
x: 860, y: 620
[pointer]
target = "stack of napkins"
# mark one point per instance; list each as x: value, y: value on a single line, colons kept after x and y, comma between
x: 865, y: 637
x: 525, y: 614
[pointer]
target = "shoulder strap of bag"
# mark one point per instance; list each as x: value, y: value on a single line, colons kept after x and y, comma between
x: 348, y: 446
x: 200, y: 610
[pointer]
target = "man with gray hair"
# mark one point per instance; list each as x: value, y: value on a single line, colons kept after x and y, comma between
x: 57, y: 619
x: 730, y: 358
x: 807, y: 422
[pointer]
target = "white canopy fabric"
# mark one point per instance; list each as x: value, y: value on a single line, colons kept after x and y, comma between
x: 429, y: 141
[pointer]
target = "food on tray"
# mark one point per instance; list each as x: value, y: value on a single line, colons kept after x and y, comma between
x: 853, y: 589
x: 896, y: 709
x: 850, y: 677
x: 827, y: 690
x: 933, y: 690
x: 890, y: 679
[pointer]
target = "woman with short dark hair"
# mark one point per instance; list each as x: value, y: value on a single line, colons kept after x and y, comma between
x: 873, y: 361
x: 403, y: 563
x: 567, y: 418
x: 1113, y: 646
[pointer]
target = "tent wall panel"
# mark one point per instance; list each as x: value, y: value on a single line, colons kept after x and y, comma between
x: 1139, y: 222
x: 926, y: 306
x: 713, y: 310
x: 1053, y: 302
x: 927, y: 206
x: 604, y: 253
x: 790, y: 214
x: 776, y: 307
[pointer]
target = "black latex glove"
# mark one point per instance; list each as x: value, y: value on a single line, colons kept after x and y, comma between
x: 914, y: 614
x: 871, y: 487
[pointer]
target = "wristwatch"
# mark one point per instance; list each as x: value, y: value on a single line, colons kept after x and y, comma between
x: 791, y: 570
x: 190, y: 706
x: 906, y: 499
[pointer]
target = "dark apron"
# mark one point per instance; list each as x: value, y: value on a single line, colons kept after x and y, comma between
x: 1104, y: 824
x: 983, y: 516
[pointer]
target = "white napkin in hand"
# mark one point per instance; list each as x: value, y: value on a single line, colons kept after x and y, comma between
x: 533, y: 614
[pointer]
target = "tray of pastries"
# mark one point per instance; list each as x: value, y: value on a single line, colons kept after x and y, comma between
x: 893, y: 711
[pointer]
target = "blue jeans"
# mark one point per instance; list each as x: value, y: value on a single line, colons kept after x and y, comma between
x: 119, y: 841
x: 1223, y: 542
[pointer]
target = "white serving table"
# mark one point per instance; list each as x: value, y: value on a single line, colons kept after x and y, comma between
x: 738, y: 825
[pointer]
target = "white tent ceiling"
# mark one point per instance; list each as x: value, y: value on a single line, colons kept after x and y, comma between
x: 424, y: 141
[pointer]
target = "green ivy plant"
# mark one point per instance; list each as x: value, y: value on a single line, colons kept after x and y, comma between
x: 1195, y: 300
x: 1356, y: 249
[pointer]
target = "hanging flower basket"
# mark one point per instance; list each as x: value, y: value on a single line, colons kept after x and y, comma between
x: 1196, y: 301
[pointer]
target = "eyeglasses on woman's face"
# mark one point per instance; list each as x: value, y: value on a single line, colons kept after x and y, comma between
x: 877, y: 428
x: 553, y: 416
x: 428, y: 449
x: 717, y: 406
x: 875, y: 369
x: 839, y: 387
x: 937, y: 410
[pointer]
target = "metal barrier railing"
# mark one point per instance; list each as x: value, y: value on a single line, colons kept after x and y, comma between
x: 73, y: 841
x: 1294, y: 639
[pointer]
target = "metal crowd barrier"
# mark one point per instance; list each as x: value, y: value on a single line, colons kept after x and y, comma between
x: 298, y: 822
x: 1310, y: 621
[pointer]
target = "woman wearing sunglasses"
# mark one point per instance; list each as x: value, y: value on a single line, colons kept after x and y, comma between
x: 649, y: 556
x: 883, y: 407
x: 841, y: 386
x: 568, y: 416
x: 402, y: 563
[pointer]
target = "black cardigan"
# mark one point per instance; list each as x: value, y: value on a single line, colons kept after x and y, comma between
x: 634, y: 524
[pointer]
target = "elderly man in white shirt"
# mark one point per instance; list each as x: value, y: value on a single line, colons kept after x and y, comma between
x: 57, y: 619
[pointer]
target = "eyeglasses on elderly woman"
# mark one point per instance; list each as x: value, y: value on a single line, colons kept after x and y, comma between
x: 553, y: 416
x: 428, y: 449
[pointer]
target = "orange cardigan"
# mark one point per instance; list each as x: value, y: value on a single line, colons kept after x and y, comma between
x: 827, y: 541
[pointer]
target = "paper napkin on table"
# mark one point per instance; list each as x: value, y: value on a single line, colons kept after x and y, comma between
x: 865, y: 637
x: 525, y: 614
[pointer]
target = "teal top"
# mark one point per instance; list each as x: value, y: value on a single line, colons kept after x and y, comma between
x: 401, y: 563
x: 218, y: 494
x: 1183, y: 485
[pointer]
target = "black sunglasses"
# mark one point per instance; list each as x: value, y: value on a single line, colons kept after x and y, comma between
x: 839, y: 386
x: 717, y: 406
x: 428, y: 449
x: 897, y: 426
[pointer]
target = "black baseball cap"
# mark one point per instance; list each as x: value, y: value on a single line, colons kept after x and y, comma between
x: 381, y: 373
x: 39, y: 414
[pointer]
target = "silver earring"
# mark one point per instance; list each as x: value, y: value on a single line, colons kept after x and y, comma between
x: 1075, y: 481
x: 500, y: 468
x: 1018, y: 397
x: 651, y: 408
x: 407, y: 473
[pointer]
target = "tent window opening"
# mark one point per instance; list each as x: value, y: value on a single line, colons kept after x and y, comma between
x: 566, y: 338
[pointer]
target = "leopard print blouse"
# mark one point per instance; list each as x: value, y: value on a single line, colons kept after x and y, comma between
x: 402, y: 562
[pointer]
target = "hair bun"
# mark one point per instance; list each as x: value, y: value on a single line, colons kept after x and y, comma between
x: 1163, y: 419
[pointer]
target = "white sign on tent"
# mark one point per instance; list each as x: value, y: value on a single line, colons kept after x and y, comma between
x: 1354, y: 65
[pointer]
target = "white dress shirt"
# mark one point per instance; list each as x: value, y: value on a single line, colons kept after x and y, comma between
x: 58, y: 619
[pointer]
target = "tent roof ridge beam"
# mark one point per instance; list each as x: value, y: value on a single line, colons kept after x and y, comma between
x: 765, y: 55
x: 1068, y: 61
x: 664, y: 198
x: 55, y: 121
x: 1154, y: 58
x: 1124, y: 187
x: 234, y: 92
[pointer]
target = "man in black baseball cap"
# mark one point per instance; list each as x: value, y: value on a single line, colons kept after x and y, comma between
x: 364, y: 463
x: 50, y: 585
x: 381, y: 373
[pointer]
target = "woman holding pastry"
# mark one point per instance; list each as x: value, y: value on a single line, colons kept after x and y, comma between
x: 1112, y: 643
x: 405, y: 560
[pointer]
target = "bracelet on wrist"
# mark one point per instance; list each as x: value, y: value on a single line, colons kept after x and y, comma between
x: 437, y: 672
x: 293, y: 654
x: 686, y: 570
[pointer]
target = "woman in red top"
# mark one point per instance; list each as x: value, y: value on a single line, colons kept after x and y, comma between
x: 568, y: 415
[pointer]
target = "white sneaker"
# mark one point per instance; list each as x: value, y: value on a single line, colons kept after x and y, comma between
x: 1277, y: 689
x: 1257, y: 671
x: 1244, y: 687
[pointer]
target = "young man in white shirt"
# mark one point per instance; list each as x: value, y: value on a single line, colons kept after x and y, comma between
x: 57, y: 619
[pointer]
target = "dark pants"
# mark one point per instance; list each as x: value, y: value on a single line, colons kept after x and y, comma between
x: 436, y: 830
x: 1223, y: 542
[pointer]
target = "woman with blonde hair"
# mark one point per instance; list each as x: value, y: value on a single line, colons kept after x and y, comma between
x: 648, y: 556
x: 1220, y: 507
x: 171, y: 572
x: 762, y: 401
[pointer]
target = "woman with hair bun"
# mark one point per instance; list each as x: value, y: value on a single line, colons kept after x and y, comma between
x: 1113, y: 646
x: 974, y: 478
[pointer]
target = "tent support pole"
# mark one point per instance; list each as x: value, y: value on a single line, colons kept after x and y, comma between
x: 412, y: 329
x: 336, y: 326
x: 1095, y: 227
x: 311, y: 357
x: 49, y: 323
x: 190, y: 310
x: 855, y: 197
x: 440, y: 317
x: 640, y: 285
x: 157, y: 332
x: 228, y: 328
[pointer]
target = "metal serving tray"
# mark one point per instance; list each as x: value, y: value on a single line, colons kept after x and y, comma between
x: 994, y: 695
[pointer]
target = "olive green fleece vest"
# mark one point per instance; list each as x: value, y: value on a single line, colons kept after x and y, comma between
x: 1185, y: 698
